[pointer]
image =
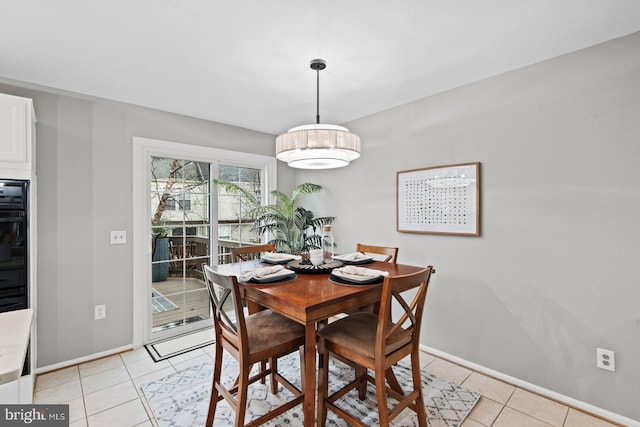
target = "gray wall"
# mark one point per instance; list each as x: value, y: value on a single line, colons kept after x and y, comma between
x: 84, y: 173
x: 555, y: 272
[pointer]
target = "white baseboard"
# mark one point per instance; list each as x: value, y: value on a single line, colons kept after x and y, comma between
x: 79, y: 360
x: 569, y: 401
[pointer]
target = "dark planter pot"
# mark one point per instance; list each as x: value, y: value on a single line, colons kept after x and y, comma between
x: 159, y: 272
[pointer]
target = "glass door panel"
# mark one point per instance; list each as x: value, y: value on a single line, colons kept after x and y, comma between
x: 180, y: 229
x: 235, y: 217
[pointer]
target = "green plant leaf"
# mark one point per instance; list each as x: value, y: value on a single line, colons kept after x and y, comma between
x: 292, y: 229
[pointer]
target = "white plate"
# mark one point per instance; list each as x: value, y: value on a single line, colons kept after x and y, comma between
x: 274, y: 277
x: 356, y: 278
x: 364, y: 259
x: 278, y: 259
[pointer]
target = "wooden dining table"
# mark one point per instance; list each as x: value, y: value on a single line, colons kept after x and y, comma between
x: 308, y: 299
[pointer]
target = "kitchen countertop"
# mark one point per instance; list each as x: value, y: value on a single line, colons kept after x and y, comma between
x: 15, y: 330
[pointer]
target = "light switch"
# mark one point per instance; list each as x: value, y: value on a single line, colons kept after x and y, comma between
x: 118, y: 237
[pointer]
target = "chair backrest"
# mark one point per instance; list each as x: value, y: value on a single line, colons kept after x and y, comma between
x: 228, y: 315
x: 406, y: 329
x: 391, y: 253
x: 246, y: 253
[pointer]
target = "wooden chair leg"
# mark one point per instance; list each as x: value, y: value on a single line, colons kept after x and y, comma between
x: 237, y: 381
x: 381, y: 397
x: 273, y: 364
x: 217, y: 370
x: 393, y: 381
x: 241, y: 399
x: 263, y: 367
x: 361, y: 376
x: 302, y: 365
x: 323, y: 384
x: 417, y: 385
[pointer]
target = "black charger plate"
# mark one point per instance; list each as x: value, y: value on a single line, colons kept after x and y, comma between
x: 373, y: 281
x: 306, y: 267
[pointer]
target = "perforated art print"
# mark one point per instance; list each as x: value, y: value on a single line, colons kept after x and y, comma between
x: 439, y: 200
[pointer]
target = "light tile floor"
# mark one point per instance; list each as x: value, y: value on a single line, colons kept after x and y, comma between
x: 106, y: 392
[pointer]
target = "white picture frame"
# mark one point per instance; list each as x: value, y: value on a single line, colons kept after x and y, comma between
x: 439, y: 200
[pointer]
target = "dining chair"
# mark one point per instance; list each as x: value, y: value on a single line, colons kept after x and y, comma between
x: 374, y: 342
x: 246, y: 253
x: 391, y: 253
x: 250, y: 339
x: 392, y: 257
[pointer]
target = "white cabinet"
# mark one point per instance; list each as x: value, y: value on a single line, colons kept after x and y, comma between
x: 17, y: 137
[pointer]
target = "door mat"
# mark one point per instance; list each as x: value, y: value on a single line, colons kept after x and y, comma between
x: 170, y: 347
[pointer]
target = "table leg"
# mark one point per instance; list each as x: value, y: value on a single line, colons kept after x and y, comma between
x: 310, y: 375
x: 253, y: 307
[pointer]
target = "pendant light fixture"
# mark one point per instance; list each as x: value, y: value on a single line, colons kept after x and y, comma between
x: 318, y: 146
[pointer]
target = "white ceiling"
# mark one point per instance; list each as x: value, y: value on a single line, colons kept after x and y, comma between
x: 246, y: 62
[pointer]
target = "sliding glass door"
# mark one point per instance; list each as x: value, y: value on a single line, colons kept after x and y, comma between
x: 181, y: 222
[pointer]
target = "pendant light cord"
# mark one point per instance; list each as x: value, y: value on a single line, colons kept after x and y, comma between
x: 318, y: 96
x: 318, y: 65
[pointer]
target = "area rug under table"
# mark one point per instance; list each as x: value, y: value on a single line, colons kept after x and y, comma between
x: 182, y: 399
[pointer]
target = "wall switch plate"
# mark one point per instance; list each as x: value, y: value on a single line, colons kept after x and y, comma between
x: 100, y: 312
x: 118, y: 237
x: 605, y: 359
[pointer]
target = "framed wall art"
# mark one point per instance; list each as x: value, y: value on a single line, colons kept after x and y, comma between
x: 439, y: 200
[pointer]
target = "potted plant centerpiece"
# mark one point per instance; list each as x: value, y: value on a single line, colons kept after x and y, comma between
x: 292, y: 228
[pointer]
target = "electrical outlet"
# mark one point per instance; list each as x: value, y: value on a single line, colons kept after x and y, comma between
x: 118, y: 237
x: 605, y: 359
x: 100, y: 312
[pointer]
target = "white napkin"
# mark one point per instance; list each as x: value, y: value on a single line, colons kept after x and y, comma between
x: 276, y: 256
x: 356, y: 256
x: 360, y: 273
x: 259, y: 273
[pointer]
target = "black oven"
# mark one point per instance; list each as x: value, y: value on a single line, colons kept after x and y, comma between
x: 14, y: 239
x: 14, y: 250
